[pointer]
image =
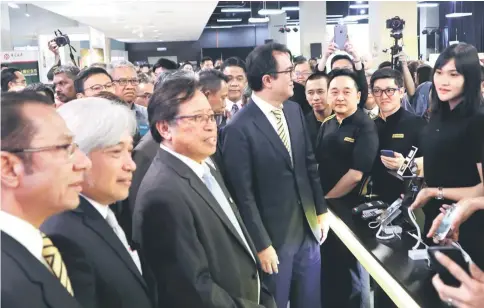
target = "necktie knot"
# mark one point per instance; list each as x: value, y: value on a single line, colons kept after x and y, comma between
x: 235, y: 108
x: 277, y: 113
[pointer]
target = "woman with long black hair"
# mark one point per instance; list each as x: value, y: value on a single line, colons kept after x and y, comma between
x: 451, y: 143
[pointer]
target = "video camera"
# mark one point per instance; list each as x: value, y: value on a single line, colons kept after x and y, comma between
x: 396, y: 24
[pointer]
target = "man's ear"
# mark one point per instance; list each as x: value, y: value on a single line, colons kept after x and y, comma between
x: 12, y: 169
x: 266, y: 81
x: 164, y: 130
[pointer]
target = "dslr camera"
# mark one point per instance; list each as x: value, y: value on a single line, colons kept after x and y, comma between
x: 396, y: 25
x: 61, y: 39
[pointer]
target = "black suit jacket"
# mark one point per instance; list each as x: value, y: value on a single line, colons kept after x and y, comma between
x: 274, y: 197
x: 26, y: 282
x: 102, y: 272
x: 198, y: 258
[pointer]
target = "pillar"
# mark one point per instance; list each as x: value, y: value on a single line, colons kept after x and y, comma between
x: 429, y: 18
x: 5, y: 28
x: 380, y: 39
x: 312, y: 21
x: 275, y: 23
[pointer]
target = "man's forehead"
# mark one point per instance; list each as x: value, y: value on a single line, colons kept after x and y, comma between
x: 97, y: 78
x: 124, y: 72
x: 316, y: 84
x: 384, y: 82
x: 48, y: 122
x: 342, y: 81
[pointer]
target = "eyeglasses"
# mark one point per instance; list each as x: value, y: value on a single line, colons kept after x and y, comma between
x: 145, y: 96
x: 198, y: 118
x: 100, y: 87
x: 379, y: 92
x: 124, y: 82
x: 302, y: 74
x: 289, y: 71
x: 69, y: 147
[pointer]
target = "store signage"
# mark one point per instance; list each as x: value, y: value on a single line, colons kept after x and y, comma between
x: 19, y: 56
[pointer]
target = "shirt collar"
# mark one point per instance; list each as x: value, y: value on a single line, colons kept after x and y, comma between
x: 394, y: 117
x: 102, y: 209
x: 350, y: 119
x: 23, y: 232
x: 229, y: 103
x: 373, y: 111
x: 196, y: 167
x: 263, y: 105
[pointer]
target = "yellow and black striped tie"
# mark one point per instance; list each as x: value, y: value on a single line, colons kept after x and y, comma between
x: 54, y: 259
x: 281, y: 131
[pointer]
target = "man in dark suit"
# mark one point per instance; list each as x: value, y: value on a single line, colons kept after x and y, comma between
x: 104, y: 270
x: 273, y: 175
x: 35, y: 186
x: 184, y: 220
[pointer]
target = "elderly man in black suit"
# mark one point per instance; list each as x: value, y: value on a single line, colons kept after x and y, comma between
x: 272, y: 173
x: 185, y: 220
x: 41, y: 173
x: 105, y: 271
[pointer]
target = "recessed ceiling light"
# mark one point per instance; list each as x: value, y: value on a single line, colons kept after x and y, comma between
x: 155, y: 30
x: 229, y: 20
x: 27, y: 14
x: 359, y: 6
x: 13, y: 5
x: 290, y: 8
x: 427, y: 4
x: 270, y: 12
x: 235, y: 10
x: 287, y: 17
x: 455, y: 15
x: 334, y: 16
x: 221, y: 27
x: 258, y: 20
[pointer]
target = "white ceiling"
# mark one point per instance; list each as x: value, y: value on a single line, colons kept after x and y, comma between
x: 138, y: 21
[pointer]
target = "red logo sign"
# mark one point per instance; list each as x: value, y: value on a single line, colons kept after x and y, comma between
x: 6, y: 56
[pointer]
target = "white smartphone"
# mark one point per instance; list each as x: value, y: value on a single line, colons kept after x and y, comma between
x: 340, y: 36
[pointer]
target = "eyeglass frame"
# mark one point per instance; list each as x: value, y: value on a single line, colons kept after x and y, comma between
x: 385, y: 90
x: 290, y: 71
x: 104, y: 86
x: 65, y: 146
x: 126, y: 81
x: 204, y: 118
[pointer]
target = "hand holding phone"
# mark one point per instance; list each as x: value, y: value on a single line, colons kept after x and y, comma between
x: 340, y: 36
x: 387, y: 153
x: 455, y: 255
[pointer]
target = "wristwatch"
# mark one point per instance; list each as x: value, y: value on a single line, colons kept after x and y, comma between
x: 440, y: 194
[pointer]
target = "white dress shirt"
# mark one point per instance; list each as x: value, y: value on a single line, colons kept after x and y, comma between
x: 229, y: 104
x: 266, y: 109
x: 23, y: 232
x: 372, y: 113
x: 104, y: 211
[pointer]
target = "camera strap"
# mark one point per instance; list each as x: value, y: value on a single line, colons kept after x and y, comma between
x: 71, y: 55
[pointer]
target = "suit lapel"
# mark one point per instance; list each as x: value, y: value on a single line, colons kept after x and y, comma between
x: 201, y: 189
x: 262, y: 123
x: 93, y: 220
x: 53, y: 292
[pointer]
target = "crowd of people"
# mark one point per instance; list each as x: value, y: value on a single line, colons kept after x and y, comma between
x: 158, y: 186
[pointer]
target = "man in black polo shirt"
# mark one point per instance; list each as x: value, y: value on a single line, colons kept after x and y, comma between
x: 316, y: 88
x: 398, y: 131
x: 347, y: 141
x: 346, y: 149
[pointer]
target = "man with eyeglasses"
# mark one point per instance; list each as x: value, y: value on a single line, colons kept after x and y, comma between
x: 398, y: 131
x: 92, y: 81
x: 126, y: 81
x: 346, y: 149
x: 145, y: 90
x: 13, y: 80
x: 184, y: 218
x: 42, y: 171
x: 300, y: 75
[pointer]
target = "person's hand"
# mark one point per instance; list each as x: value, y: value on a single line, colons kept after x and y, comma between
x: 269, y: 260
x: 332, y: 47
x: 323, y: 223
x: 470, y: 294
x: 392, y: 163
x: 464, y: 209
x: 402, y: 57
x: 422, y: 198
x: 53, y: 47
x: 350, y: 49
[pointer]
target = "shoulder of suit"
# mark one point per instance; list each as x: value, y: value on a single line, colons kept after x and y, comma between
x: 329, y: 118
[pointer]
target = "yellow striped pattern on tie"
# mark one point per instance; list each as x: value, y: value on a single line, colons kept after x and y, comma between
x: 56, y: 266
x: 280, y: 128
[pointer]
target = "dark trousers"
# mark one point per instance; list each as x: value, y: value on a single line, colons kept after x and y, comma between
x: 345, y: 283
x: 299, y: 277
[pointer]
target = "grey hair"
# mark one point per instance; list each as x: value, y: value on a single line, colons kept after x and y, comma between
x: 70, y: 70
x: 97, y: 123
x: 117, y: 64
x: 175, y: 75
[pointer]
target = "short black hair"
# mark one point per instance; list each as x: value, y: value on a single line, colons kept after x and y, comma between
x: 387, y: 73
x: 175, y: 89
x: 205, y: 59
x: 343, y: 72
x: 185, y: 63
x: 342, y: 57
x: 313, y: 58
x: 424, y: 73
x: 40, y: 87
x: 299, y: 60
x: 17, y: 130
x: 144, y: 65
x: 261, y: 61
x: 71, y: 71
x: 318, y: 75
x: 85, y: 74
x: 233, y: 61
x: 385, y: 64
x: 3, y: 65
x: 165, y: 64
x: 8, y: 75
x: 211, y: 80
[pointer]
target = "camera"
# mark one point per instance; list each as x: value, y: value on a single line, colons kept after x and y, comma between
x: 396, y: 24
x: 61, y: 39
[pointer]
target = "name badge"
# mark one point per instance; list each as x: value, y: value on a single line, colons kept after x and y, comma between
x: 348, y: 139
x: 398, y: 136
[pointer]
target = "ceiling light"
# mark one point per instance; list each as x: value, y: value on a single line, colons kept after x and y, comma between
x: 161, y: 49
x: 287, y: 17
x: 235, y: 10
x: 229, y: 20
x: 13, y: 5
x: 455, y: 15
x: 270, y: 12
x: 258, y: 20
x: 359, y: 1
x: 351, y: 22
x: 362, y: 11
x: 221, y: 27
x: 290, y: 8
x: 27, y: 14
x: 359, y: 6
x: 334, y: 16
x: 332, y: 21
x: 427, y: 5
x: 155, y: 30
